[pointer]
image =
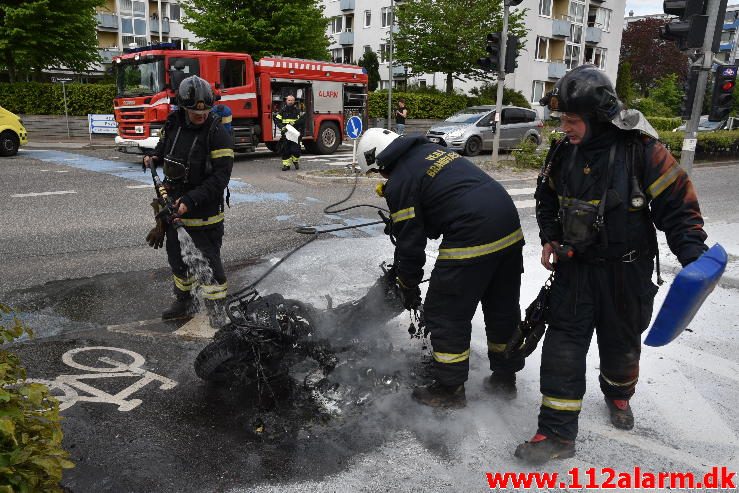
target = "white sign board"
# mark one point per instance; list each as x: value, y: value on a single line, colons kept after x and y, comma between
x: 102, y: 124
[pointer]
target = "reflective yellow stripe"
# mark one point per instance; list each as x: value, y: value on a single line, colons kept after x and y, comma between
x: 480, y: 250
x: 183, y: 284
x: 563, y: 200
x: 451, y: 358
x: 215, y: 291
x: 221, y: 153
x: 561, y: 404
x: 496, y: 348
x: 616, y: 384
x: 278, y: 116
x: 288, y: 121
x: 403, y: 214
x: 664, y: 181
x: 227, y: 119
x: 195, y: 222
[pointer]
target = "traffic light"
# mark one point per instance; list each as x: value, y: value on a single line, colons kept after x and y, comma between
x: 690, y: 29
x: 511, y: 54
x: 491, y: 63
x: 691, y: 83
x: 723, y: 90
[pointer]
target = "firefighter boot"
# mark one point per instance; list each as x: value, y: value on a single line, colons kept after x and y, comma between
x: 542, y: 449
x: 502, y: 384
x: 296, y: 162
x: 181, y: 307
x: 621, y: 415
x: 285, y: 167
x: 437, y: 395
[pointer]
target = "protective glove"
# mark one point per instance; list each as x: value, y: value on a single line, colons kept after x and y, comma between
x: 155, y: 238
x: 410, y: 296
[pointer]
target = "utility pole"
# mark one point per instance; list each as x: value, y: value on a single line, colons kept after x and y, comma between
x: 687, y: 155
x: 501, y: 82
x: 390, y: 68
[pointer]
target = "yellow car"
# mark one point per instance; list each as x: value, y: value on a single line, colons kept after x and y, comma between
x: 12, y: 133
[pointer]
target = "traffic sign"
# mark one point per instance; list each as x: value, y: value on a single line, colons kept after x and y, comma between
x: 102, y: 124
x: 354, y: 127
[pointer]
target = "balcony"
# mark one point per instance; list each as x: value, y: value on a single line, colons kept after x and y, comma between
x: 154, y: 23
x: 346, y: 5
x: 556, y: 69
x: 593, y: 35
x: 561, y: 27
x: 726, y: 46
x: 346, y: 38
x: 107, y: 54
x: 107, y: 21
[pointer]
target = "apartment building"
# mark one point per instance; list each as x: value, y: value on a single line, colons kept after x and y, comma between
x: 128, y: 23
x: 562, y: 34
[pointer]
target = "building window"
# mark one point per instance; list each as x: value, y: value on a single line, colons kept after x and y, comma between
x: 367, y: 48
x: 577, y: 11
x: 367, y: 18
x: 387, y: 17
x: 336, y: 23
x: 576, y: 33
x: 337, y: 54
x: 174, y: 12
x: 349, y: 23
x: 727, y: 36
x: 596, y: 56
x: 422, y: 83
x: 603, y: 19
x: 384, y: 52
x: 545, y: 8
x: 348, y: 55
x: 572, y: 56
x: 537, y: 91
x: 542, y: 48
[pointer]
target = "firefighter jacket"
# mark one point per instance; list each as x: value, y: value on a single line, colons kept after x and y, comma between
x: 207, y: 152
x: 672, y: 205
x: 432, y: 192
x: 290, y: 115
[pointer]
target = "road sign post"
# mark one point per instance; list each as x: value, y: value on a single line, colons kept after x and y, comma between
x: 354, y: 131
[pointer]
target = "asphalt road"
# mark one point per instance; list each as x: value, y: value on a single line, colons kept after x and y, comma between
x: 136, y: 417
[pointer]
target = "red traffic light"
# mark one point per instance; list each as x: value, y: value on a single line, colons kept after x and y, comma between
x: 727, y: 86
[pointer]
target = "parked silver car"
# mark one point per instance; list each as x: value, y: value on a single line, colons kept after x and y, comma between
x: 471, y: 130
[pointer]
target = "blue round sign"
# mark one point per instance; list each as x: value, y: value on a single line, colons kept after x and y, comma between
x: 354, y: 127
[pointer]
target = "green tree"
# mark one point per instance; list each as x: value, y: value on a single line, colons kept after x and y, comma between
x: 489, y: 93
x: 372, y: 66
x: 39, y: 34
x: 293, y: 28
x: 668, y: 93
x: 448, y: 36
x: 624, y: 84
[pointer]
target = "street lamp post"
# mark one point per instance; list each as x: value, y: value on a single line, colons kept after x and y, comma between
x: 390, y: 67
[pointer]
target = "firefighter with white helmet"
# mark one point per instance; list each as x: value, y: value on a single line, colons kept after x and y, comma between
x: 432, y: 192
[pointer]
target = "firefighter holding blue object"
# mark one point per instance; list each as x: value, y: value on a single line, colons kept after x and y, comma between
x: 432, y: 192
x: 603, y: 189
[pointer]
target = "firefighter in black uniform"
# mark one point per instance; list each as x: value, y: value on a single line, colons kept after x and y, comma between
x: 196, y: 153
x: 604, y: 188
x: 433, y: 192
x: 289, y: 115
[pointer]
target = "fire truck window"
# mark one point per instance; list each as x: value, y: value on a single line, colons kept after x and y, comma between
x: 191, y: 65
x: 233, y: 73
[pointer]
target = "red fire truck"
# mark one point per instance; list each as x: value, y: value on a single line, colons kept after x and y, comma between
x: 147, y: 80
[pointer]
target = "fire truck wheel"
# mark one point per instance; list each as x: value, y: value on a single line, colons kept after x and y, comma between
x: 9, y: 143
x: 329, y: 138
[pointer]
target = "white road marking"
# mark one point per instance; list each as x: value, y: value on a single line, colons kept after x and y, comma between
x: 39, y: 194
x: 524, y: 204
x: 133, y: 187
x: 69, y: 385
x: 521, y: 191
x: 197, y: 328
x: 56, y: 170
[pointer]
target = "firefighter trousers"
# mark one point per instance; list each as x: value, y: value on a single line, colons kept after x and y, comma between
x: 208, y: 241
x: 290, y: 153
x: 612, y: 298
x: 453, y: 295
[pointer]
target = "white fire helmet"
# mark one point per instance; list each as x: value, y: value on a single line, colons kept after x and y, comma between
x: 372, y: 143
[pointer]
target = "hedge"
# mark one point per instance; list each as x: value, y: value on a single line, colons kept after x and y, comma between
x: 709, y: 143
x: 662, y: 124
x: 432, y: 106
x: 37, y: 98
